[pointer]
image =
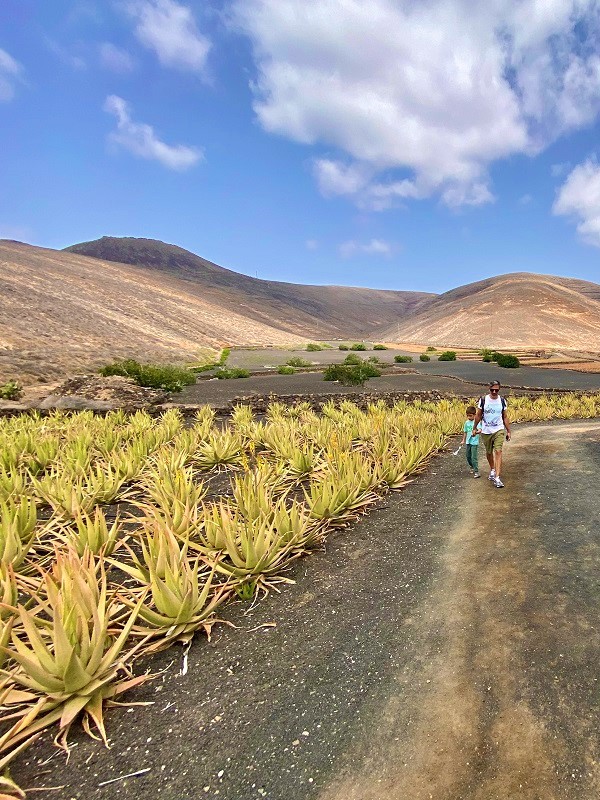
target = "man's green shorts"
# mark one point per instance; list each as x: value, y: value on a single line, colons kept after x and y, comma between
x: 493, y: 441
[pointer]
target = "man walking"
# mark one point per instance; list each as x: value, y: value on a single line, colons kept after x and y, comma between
x: 491, y: 413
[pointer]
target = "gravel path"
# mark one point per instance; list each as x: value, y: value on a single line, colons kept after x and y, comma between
x: 444, y: 647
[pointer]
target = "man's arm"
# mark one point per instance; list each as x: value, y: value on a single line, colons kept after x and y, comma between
x: 506, y: 424
x: 478, y: 416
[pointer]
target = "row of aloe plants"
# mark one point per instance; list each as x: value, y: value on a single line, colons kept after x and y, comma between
x: 122, y: 535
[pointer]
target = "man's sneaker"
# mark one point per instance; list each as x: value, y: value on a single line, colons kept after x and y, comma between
x: 492, y: 475
x: 476, y: 475
x: 498, y: 483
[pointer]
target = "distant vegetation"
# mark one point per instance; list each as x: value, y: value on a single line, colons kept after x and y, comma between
x: 505, y: 360
x: 296, y: 361
x: 285, y: 369
x: 11, y: 391
x: 403, y: 359
x: 431, y: 349
x: 359, y: 347
x: 154, y: 376
x: 351, y: 375
x: 225, y: 352
x: 424, y: 357
x: 225, y: 373
x: 353, y: 359
x: 379, y: 347
x: 508, y: 361
x: 312, y: 347
x: 343, y: 347
x: 447, y: 355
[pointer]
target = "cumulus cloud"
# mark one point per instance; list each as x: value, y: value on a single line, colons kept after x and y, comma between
x: 419, y: 98
x: 141, y: 140
x: 115, y: 58
x: 169, y: 28
x: 376, y: 247
x: 10, y: 74
x: 579, y: 198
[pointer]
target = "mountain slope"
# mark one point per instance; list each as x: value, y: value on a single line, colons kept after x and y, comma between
x: 310, y: 311
x: 60, y: 312
x: 514, y: 310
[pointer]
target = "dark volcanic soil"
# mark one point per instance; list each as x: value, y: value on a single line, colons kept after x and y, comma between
x: 444, y: 647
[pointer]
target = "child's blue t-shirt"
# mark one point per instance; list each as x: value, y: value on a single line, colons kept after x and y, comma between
x: 468, y: 428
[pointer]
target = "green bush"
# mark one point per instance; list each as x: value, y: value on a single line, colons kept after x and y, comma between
x: 379, y: 347
x: 224, y: 356
x: 373, y: 360
x: 424, y: 357
x: 447, y: 355
x: 486, y: 355
x: 11, y: 391
x: 353, y: 359
x: 343, y: 347
x: 297, y: 362
x: 494, y: 355
x: 431, y: 349
x: 286, y: 370
x: 403, y: 359
x: 154, y: 376
x: 359, y: 346
x: 312, y: 347
x: 508, y: 361
x: 224, y: 373
x: 350, y: 375
x: 203, y: 368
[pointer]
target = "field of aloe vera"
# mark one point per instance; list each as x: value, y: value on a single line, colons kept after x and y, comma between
x: 124, y: 534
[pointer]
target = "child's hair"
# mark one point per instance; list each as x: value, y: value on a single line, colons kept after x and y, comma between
x: 471, y: 410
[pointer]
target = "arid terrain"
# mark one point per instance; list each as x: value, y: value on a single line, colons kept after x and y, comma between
x: 62, y: 311
x: 74, y: 310
x: 515, y: 310
x: 313, y: 312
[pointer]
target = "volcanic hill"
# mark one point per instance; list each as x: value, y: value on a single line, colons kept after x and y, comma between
x: 510, y: 311
x: 63, y: 311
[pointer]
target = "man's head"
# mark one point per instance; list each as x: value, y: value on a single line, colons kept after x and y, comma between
x: 495, y: 388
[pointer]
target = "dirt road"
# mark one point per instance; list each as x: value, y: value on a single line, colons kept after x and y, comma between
x: 445, y: 647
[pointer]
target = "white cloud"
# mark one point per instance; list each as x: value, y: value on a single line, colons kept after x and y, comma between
x: 419, y: 98
x: 377, y: 247
x: 169, y: 28
x: 312, y: 244
x: 115, y: 58
x: 140, y: 139
x: 525, y: 200
x: 579, y: 198
x: 72, y: 60
x: 10, y: 73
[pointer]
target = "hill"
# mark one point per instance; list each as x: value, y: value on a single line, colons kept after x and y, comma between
x: 314, y: 312
x: 61, y: 312
x: 514, y: 310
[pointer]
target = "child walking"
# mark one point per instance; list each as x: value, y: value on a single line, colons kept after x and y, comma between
x: 471, y: 440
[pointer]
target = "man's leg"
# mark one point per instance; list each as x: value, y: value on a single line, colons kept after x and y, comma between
x: 498, y: 462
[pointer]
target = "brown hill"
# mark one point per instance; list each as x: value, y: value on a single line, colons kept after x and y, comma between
x: 319, y: 312
x: 60, y: 312
x: 515, y: 310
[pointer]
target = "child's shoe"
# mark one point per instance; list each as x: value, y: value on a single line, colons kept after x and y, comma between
x: 476, y: 475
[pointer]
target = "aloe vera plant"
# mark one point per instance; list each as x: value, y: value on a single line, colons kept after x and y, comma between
x: 65, y: 653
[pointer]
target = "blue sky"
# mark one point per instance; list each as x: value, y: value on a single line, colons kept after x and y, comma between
x: 390, y: 144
